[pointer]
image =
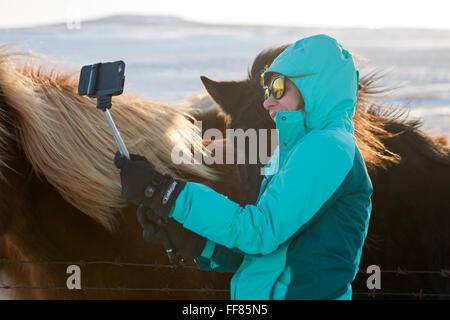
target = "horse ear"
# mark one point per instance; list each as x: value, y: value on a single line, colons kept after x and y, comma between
x: 229, y: 95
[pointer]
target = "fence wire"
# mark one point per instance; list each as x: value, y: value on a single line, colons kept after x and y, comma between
x: 444, y: 273
x: 83, y: 263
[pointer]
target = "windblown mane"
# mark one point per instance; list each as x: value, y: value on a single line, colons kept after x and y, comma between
x: 68, y: 142
x: 371, y: 118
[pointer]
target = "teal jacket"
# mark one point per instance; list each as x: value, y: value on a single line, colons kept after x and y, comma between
x: 304, y: 236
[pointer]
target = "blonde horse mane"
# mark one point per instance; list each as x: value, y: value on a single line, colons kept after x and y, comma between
x: 68, y: 142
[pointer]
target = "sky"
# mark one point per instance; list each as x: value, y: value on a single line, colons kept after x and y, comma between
x: 334, y: 13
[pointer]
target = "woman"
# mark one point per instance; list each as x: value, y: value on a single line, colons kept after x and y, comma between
x: 304, y: 236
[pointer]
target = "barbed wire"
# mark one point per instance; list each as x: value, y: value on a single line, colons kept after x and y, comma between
x: 84, y: 263
x: 124, y: 289
x: 371, y: 294
x: 420, y: 294
x: 403, y: 272
x: 399, y: 271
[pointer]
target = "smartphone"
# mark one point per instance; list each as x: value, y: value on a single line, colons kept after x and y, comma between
x: 102, y: 79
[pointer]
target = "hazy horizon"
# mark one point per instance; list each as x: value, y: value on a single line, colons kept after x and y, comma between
x: 413, y: 14
x: 103, y: 17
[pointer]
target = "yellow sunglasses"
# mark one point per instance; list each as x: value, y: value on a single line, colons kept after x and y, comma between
x: 276, y: 88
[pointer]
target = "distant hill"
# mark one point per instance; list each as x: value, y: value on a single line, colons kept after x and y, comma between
x: 150, y: 21
x: 139, y: 20
x: 123, y: 20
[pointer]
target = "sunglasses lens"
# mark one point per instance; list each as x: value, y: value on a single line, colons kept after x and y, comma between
x: 266, y: 93
x: 278, y: 88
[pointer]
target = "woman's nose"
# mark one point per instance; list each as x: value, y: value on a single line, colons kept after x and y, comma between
x: 269, y: 102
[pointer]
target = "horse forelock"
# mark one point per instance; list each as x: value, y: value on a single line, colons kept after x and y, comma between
x: 263, y: 60
x: 68, y: 142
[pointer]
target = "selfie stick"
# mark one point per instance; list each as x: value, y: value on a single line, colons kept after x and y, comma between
x: 104, y: 104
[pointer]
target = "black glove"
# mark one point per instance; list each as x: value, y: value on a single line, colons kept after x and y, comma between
x: 143, y: 184
x: 183, y: 241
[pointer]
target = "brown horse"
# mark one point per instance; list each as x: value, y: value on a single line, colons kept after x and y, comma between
x: 60, y: 198
x: 58, y: 203
x: 410, y: 172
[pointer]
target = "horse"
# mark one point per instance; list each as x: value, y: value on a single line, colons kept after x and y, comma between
x: 409, y: 169
x: 60, y: 193
x: 45, y: 214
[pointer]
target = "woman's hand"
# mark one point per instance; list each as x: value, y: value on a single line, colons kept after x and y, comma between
x: 143, y: 184
x: 182, y: 240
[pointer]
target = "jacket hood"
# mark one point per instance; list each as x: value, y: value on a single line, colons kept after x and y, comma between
x: 331, y: 86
